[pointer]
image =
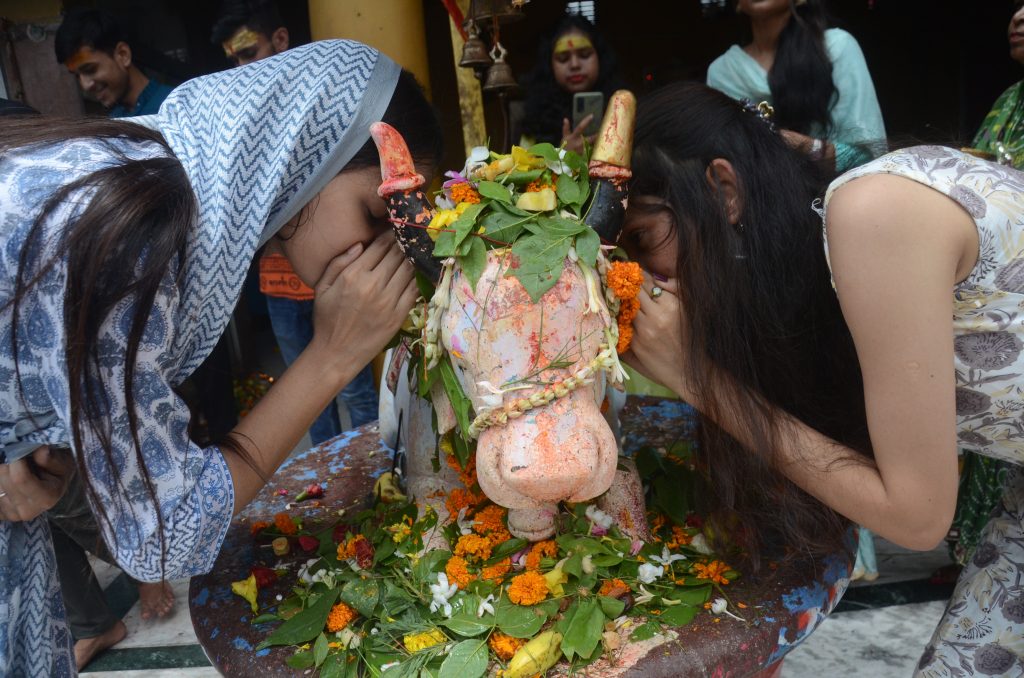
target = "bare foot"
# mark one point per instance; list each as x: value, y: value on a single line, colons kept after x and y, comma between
x: 157, y: 599
x: 87, y: 648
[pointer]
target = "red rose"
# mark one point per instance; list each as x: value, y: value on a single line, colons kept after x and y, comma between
x: 264, y: 576
x: 364, y: 554
x: 309, y: 543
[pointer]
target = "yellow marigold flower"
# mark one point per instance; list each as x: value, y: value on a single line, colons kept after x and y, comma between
x: 497, y: 572
x: 473, y: 545
x: 464, y: 193
x: 528, y: 588
x: 526, y: 161
x: 613, y: 588
x: 442, y: 219
x: 504, y: 646
x: 624, y: 279
x: 399, y: 532
x: 340, y: 616
x: 420, y: 641
x: 712, y: 571
x: 457, y: 572
x: 284, y: 523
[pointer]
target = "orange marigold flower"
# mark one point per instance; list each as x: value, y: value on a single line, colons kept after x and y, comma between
x: 499, y: 537
x: 490, y: 519
x: 349, y: 549
x: 340, y: 616
x: 464, y: 192
x: 285, y: 524
x: 504, y: 646
x: 624, y: 279
x: 712, y: 571
x: 613, y: 588
x: 628, y: 310
x: 459, y: 499
x: 679, y: 538
x: 457, y: 572
x: 259, y: 526
x: 467, y: 476
x: 497, y: 572
x: 528, y: 588
x: 625, y: 338
x: 537, y: 185
x: 542, y: 549
x: 473, y: 545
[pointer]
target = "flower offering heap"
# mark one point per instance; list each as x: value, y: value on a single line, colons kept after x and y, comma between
x: 535, y: 546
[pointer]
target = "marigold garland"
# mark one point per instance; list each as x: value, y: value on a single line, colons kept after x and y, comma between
x: 505, y: 646
x: 284, y: 524
x: 459, y: 499
x: 624, y: 279
x: 528, y: 588
x: 340, y: 616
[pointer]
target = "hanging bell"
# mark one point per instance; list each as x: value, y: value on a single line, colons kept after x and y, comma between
x: 474, y: 52
x: 499, y: 75
x: 503, y: 11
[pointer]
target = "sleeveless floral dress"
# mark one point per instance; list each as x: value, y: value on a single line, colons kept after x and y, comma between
x: 982, y: 629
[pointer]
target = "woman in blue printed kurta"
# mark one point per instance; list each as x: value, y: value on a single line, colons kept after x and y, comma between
x: 251, y: 147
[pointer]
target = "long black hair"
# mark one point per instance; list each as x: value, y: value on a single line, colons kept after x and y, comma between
x: 759, y: 307
x: 803, y: 92
x: 547, y: 104
x: 128, y: 238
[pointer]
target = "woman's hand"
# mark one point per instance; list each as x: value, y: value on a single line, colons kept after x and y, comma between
x: 361, y: 300
x: 31, y: 486
x: 656, y: 349
x: 573, y: 139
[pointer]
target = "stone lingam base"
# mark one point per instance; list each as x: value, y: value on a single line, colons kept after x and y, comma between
x: 781, y: 609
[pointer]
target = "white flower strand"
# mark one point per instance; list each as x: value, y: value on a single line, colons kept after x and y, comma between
x: 438, y: 303
x: 606, y: 359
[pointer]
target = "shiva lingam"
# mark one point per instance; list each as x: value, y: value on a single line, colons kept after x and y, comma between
x: 535, y: 370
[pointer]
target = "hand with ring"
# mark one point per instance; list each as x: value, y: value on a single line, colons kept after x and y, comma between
x: 31, y: 486
x: 656, y: 348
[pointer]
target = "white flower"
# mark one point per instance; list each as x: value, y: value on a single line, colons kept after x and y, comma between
x: 644, y: 597
x: 465, y: 524
x: 485, y: 606
x: 279, y: 597
x: 557, y: 166
x: 442, y: 592
x: 587, y: 564
x: 348, y: 638
x: 496, y: 396
x: 599, y: 517
x: 478, y: 157
x: 387, y: 666
x: 699, y: 543
x: 443, y: 203
x: 649, y: 573
x: 374, y: 631
x: 720, y: 606
x: 304, y: 575
x: 666, y: 559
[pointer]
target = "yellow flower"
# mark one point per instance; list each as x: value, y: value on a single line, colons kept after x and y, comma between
x: 528, y: 588
x: 554, y: 579
x: 444, y: 218
x: 247, y: 589
x: 473, y: 545
x: 543, y: 200
x: 504, y: 646
x: 526, y: 161
x: 713, y: 571
x: 500, y: 165
x: 420, y: 641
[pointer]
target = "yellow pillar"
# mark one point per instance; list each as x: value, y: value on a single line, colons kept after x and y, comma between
x: 395, y: 27
x: 471, y: 102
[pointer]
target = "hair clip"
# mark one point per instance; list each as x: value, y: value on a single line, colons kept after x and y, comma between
x: 763, y: 110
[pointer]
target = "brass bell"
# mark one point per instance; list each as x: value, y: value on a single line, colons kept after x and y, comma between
x: 499, y: 75
x: 502, y: 11
x: 474, y: 52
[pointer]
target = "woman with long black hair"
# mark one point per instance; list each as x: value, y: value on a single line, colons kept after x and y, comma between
x: 572, y: 57
x: 838, y: 372
x: 815, y: 77
x: 124, y: 252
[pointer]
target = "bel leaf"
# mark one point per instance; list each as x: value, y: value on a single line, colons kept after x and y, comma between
x: 474, y: 262
x: 363, y: 595
x: 645, y: 631
x: 466, y: 223
x: 505, y: 549
x: 494, y: 191
x: 612, y: 607
x: 503, y: 226
x: 540, y: 263
x: 305, y: 625
x: 445, y: 245
x: 568, y: 190
x: 465, y: 623
x: 583, y: 632
x: 518, y: 621
x: 588, y: 243
x: 678, y: 615
x: 468, y: 659
x: 692, y: 595
x: 320, y: 649
x: 300, y: 660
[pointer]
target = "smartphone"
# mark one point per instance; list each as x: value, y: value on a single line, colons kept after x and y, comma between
x: 584, y: 104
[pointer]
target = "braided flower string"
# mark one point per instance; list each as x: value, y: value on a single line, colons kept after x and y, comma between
x: 438, y: 303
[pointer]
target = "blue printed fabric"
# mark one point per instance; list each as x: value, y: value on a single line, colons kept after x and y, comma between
x: 257, y: 143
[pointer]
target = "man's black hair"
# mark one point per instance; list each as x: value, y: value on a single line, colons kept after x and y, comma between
x: 93, y: 28
x: 261, y: 16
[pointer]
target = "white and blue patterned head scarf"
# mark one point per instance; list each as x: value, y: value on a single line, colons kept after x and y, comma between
x: 258, y: 143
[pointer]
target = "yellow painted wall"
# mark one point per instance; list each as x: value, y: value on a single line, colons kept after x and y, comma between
x: 24, y: 11
x: 395, y: 27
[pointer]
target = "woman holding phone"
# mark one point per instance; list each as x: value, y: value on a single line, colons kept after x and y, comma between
x: 574, y: 58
